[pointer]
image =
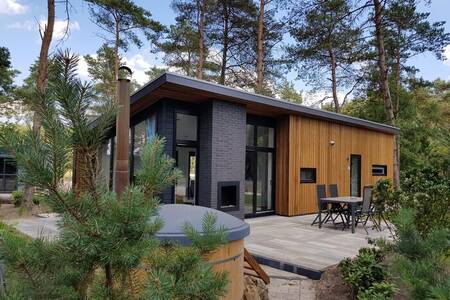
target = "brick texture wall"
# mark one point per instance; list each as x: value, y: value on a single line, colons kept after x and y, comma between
x: 222, y: 151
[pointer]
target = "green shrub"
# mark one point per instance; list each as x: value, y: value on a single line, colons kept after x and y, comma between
x: 378, y: 291
x: 363, y: 271
x: 38, y: 199
x: 18, y: 197
x: 385, y: 197
x: 421, y: 262
x: 427, y: 191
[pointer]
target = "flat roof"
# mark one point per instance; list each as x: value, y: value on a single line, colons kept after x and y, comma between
x: 176, y: 86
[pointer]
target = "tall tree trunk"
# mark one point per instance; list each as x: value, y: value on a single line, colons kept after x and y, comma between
x: 41, y: 81
x: 337, y: 107
x: 260, y: 50
x: 226, y: 19
x: 397, y: 75
x: 384, y: 85
x: 201, y: 41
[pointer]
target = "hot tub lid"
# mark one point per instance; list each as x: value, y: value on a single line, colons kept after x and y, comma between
x: 175, y: 216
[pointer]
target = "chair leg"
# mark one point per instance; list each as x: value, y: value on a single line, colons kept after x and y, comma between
x: 314, y: 222
x: 327, y: 217
x: 365, y: 228
x: 387, y: 225
x: 375, y: 223
x: 365, y: 222
x: 342, y: 219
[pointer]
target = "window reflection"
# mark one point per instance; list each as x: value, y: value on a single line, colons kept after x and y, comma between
x: 186, y: 127
x: 143, y: 134
x: 8, y: 174
x: 265, y: 136
x: 250, y: 135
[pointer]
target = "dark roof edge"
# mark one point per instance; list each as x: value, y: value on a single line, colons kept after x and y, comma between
x: 260, y: 99
x: 148, y: 87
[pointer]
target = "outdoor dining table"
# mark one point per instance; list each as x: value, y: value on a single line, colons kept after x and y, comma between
x: 351, y: 202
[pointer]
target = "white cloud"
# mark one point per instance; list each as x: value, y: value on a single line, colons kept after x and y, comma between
x: 447, y: 55
x: 12, y: 7
x: 139, y: 64
x: 61, y: 27
x: 59, y: 30
x: 26, y: 25
x: 316, y: 98
x: 83, y: 68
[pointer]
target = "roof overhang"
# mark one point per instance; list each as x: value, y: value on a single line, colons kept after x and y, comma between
x: 179, y: 87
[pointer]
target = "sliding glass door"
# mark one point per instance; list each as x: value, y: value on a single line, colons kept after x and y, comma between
x: 259, y: 170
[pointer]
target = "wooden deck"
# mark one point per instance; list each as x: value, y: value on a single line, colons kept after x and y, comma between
x: 292, y: 244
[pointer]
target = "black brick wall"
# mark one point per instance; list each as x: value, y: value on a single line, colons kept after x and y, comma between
x: 222, y: 151
x: 165, y: 128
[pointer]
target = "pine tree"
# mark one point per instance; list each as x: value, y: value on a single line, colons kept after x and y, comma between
x: 180, y: 48
x: 188, y: 45
x: 103, y: 238
x: 154, y: 72
x: 232, y: 32
x: 409, y: 33
x: 287, y: 91
x: 7, y: 88
x: 269, y: 34
x: 101, y: 72
x: 327, y: 44
x: 122, y: 19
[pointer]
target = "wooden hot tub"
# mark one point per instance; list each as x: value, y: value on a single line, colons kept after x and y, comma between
x: 229, y: 257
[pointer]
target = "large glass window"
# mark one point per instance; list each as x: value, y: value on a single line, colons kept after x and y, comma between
x: 355, y: 175
x: 259, y: 168
x: 186, y: 157
x: 265, y: 137
x: 186, y: 127
x: 264, y: 181
x: 185, y: 189
x: 143, y: 134
x: 250, y: 135
x: 105, y: 161
x: 8, y: 174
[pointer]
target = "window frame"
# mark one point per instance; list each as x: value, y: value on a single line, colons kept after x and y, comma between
x: 304, y: 169
x: 382, y: 167
x: 4, y: 175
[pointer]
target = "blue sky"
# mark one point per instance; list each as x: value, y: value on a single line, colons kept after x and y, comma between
x: 19, y: 32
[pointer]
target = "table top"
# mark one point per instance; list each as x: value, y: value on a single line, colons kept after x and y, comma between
x: 346, y: 199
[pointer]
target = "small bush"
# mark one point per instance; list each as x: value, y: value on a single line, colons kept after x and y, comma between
x: 18, y: 197
x: 378, y: 291
x: 363, y: 271
x: 421, y: 262
x: 427, y: 192
x: 385, y: 197
x: 38, y: 199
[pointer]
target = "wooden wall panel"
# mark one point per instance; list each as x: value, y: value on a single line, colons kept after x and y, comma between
x: 308, y: 145
x: 282, y: 160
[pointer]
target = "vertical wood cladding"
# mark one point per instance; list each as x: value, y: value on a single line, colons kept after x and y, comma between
x: 306, y: 143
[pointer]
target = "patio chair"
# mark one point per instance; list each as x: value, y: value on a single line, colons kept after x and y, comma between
x: 322, y: 207
x: 337, y: 208
x: 367, y: 210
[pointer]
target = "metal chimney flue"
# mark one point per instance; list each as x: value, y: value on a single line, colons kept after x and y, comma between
x: 121, y: 162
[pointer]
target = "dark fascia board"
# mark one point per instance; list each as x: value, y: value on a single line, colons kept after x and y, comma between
x: 244, y: 96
